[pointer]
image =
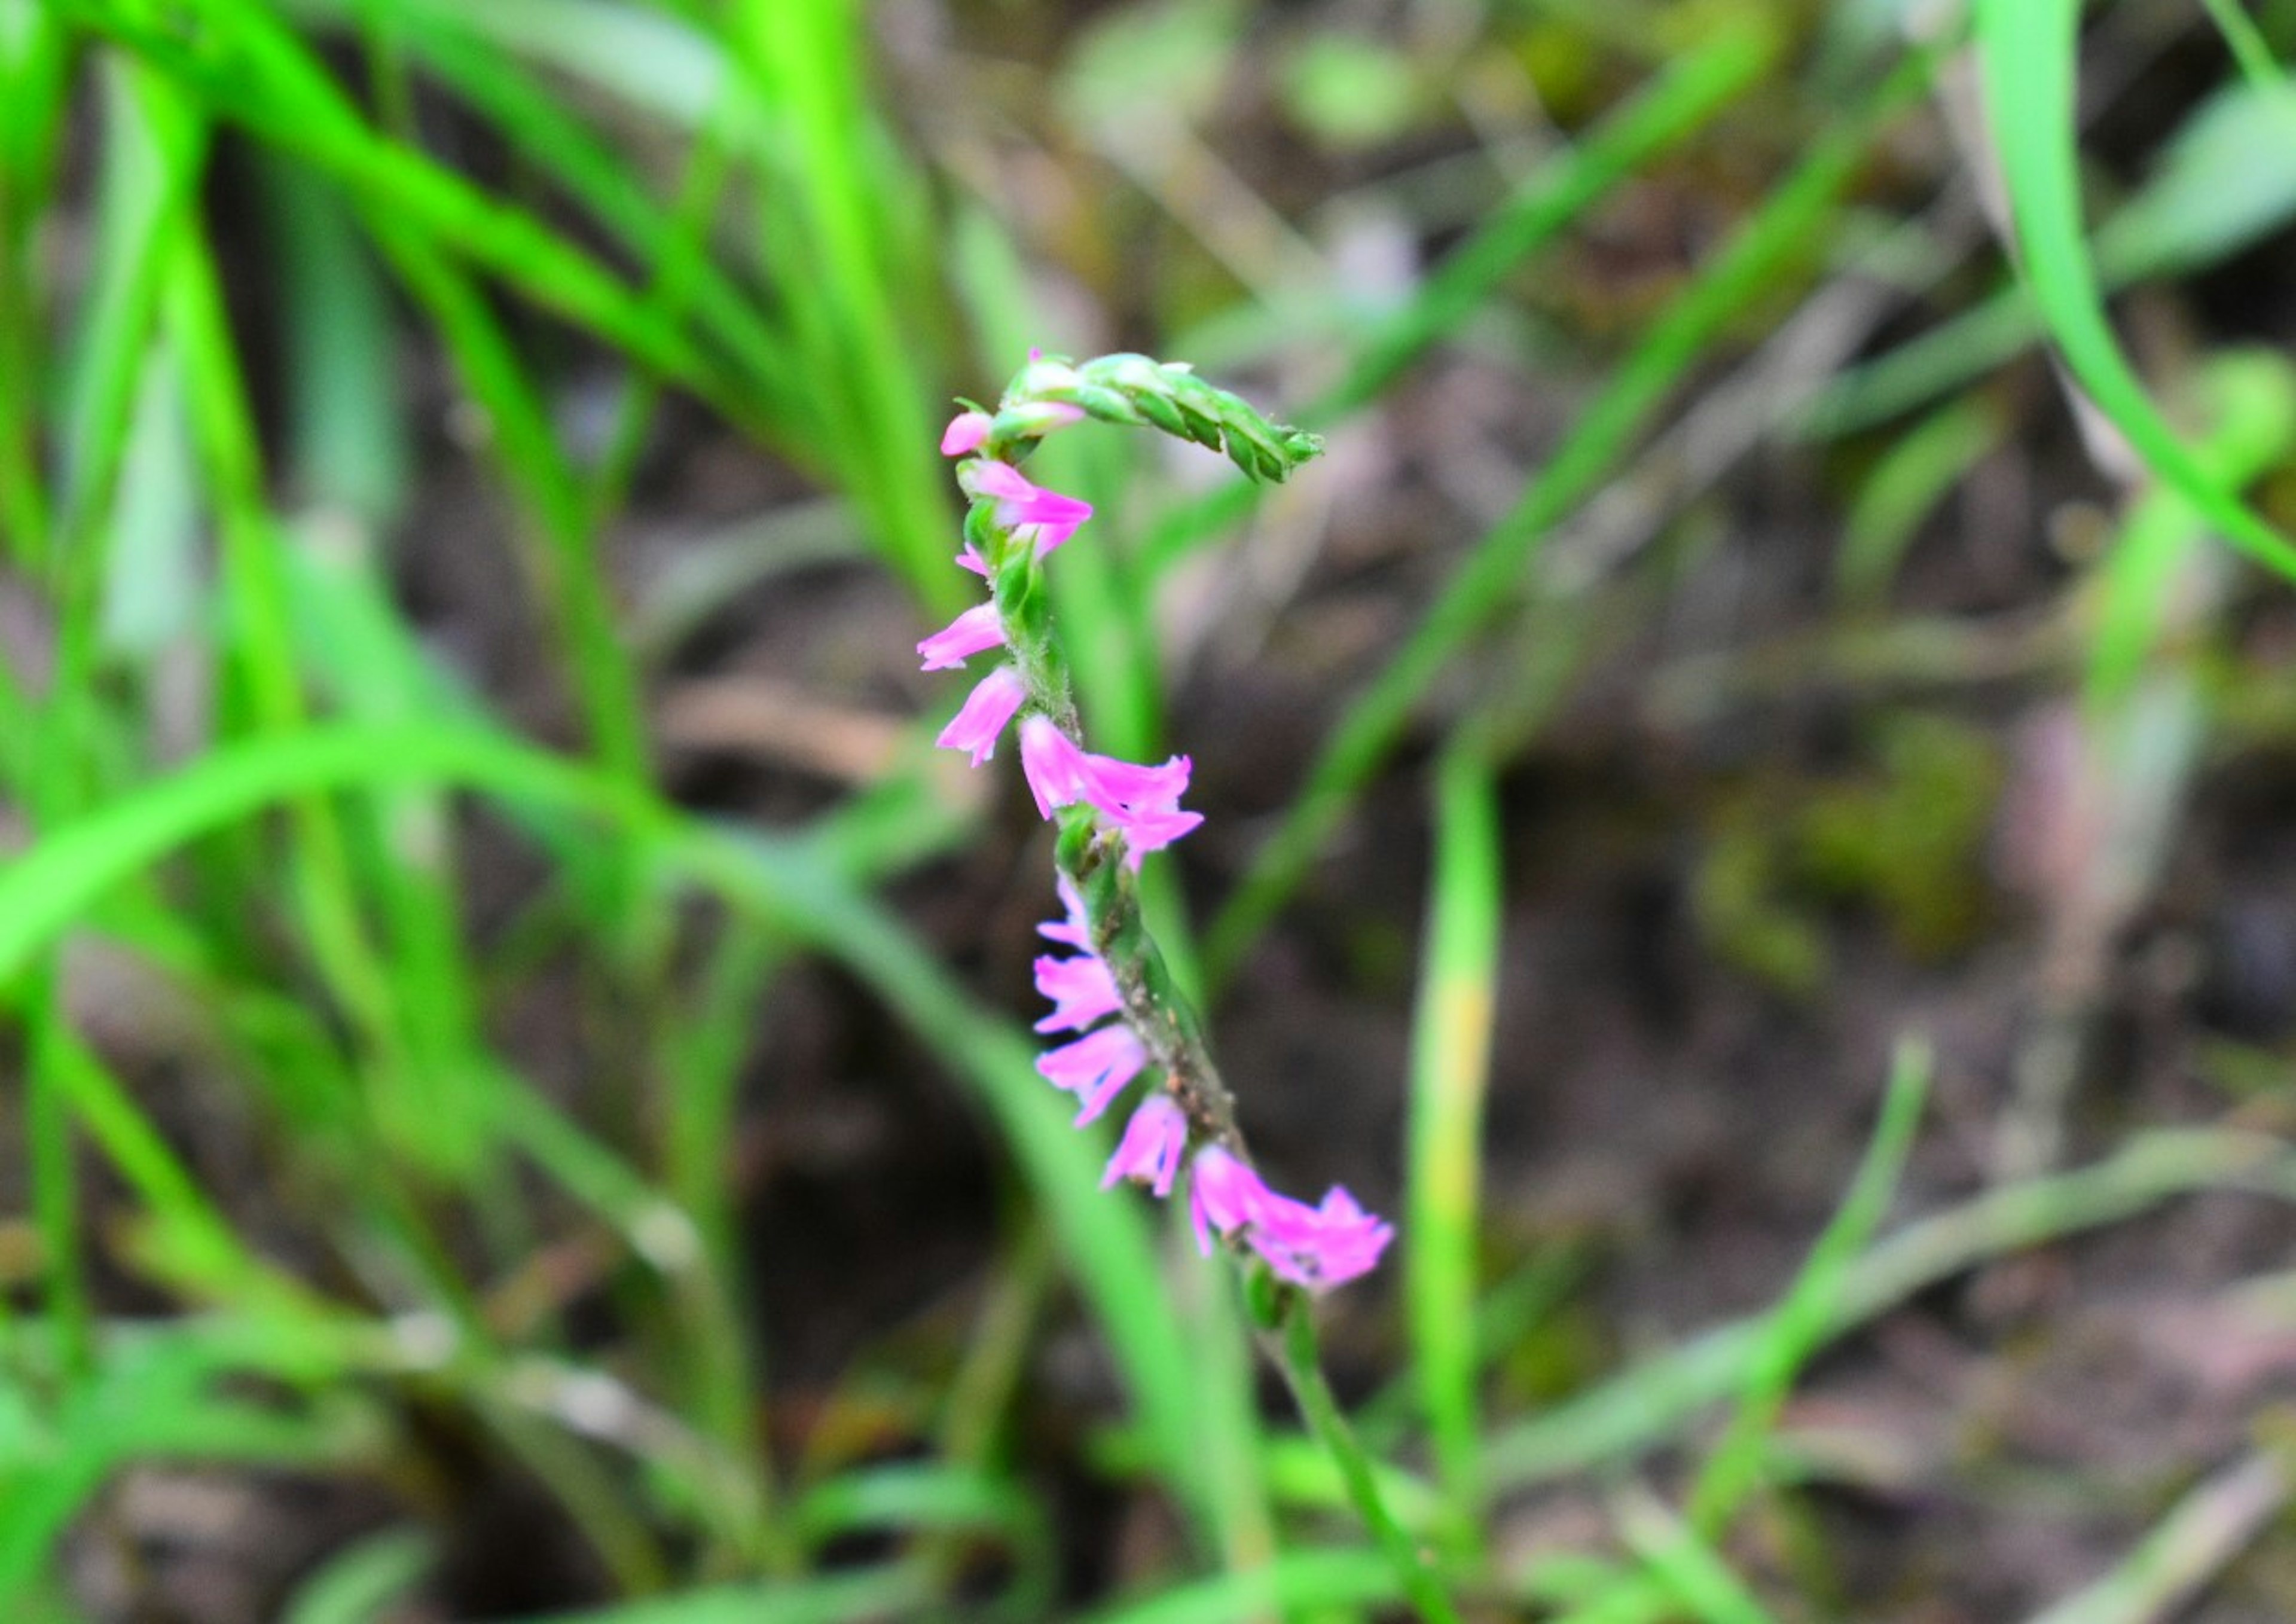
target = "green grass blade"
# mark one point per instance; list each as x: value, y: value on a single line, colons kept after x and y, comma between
x: 363, y: 1583
x: 1640, y: 1407
x: 2027, y: 51
x: 1801, y: 1324
x: 1450, y: 1074
x: 2203, y: 1532
x: 1686, y: 1566
x: 1297, y: 1583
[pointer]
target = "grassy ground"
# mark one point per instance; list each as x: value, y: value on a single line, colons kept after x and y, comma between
x: 1748, y: 806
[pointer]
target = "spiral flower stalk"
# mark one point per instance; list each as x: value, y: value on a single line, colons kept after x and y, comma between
x: 1114, y: 992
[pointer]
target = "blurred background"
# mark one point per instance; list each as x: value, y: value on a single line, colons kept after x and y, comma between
x: 1749, y: 807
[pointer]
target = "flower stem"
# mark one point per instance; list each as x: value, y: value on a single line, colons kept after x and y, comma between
x: 1292, y: 1347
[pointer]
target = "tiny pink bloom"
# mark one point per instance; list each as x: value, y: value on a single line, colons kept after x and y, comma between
x: 971, y: 559
x: 1082, y: 990
x: 965, y: 433
x: 1141, y: 803
x: 1095, y: 1068
x: 1052, y: 763
x: 1076, y: 930
x: 1318, y: 1247
x: 1020, y: 502
x: 982, y: 717
x: 975, y: 629
x: 1224, y: 1195
x: 1152, y: 1144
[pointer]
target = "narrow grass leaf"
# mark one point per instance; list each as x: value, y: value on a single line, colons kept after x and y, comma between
x: 2028, y: 52
x: 1799, y: 1324
x: 1450, y: 1075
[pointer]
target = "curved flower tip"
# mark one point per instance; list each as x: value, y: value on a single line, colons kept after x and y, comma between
x: 1020, y: 502
x: 978, y: 722
x: 971, y: 559
x: 1081, y: 988
x: 977, y: 629
x: 964, y: 434
x: 1095, y: 1068
x: 1153, y: 1142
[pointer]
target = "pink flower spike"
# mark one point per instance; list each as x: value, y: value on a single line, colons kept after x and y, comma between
x: 1076, y: 930
x: 985, y: 710
x: 1018, y: 501
x: 1082, y: 990
x: 1095, y: 1068
x: 975, y: 629
x: 1223, y: 1195
x: 1052, y: 764
x: 964, y: 434
x: 1152, y: 1144
x: 971, y: 559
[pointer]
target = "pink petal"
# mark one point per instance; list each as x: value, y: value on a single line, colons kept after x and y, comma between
x: 985, y: 710
x: 964, y: 434
x: 977, y: 629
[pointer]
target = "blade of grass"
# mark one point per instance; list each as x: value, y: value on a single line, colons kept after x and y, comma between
x: 2251, y: 410
x: 1293, y: 1350
x: 1639, y: 1408
x: 2248, y: 44
x: 2028, y: 52
x: 2215, y: 192
x: 2209, y: 1527
x: 831, y: 179
x: 1800, y: 1323
x: 35, y: 63
x: 1685, y: 1565
x: 363, y: 1583
x: 1309, y: 1582
x: 1746, y: 268
x: 1450, y: 1073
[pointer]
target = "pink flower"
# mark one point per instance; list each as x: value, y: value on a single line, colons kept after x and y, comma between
x: 985, y: 712
x: 964, y: 434
x: 1020, y: 502
x: 1052, y: 763
x: 971, y: 559
x: 1076, y: 930
x: 975, y: 629
x: 1318, y: 1247
x: 1095, y: 1068
x: 1223, y: 1195
x: 1141, y: 803
x: 1315, y: 1247
x: 1082, y: 990
x: 1150, y: 1148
